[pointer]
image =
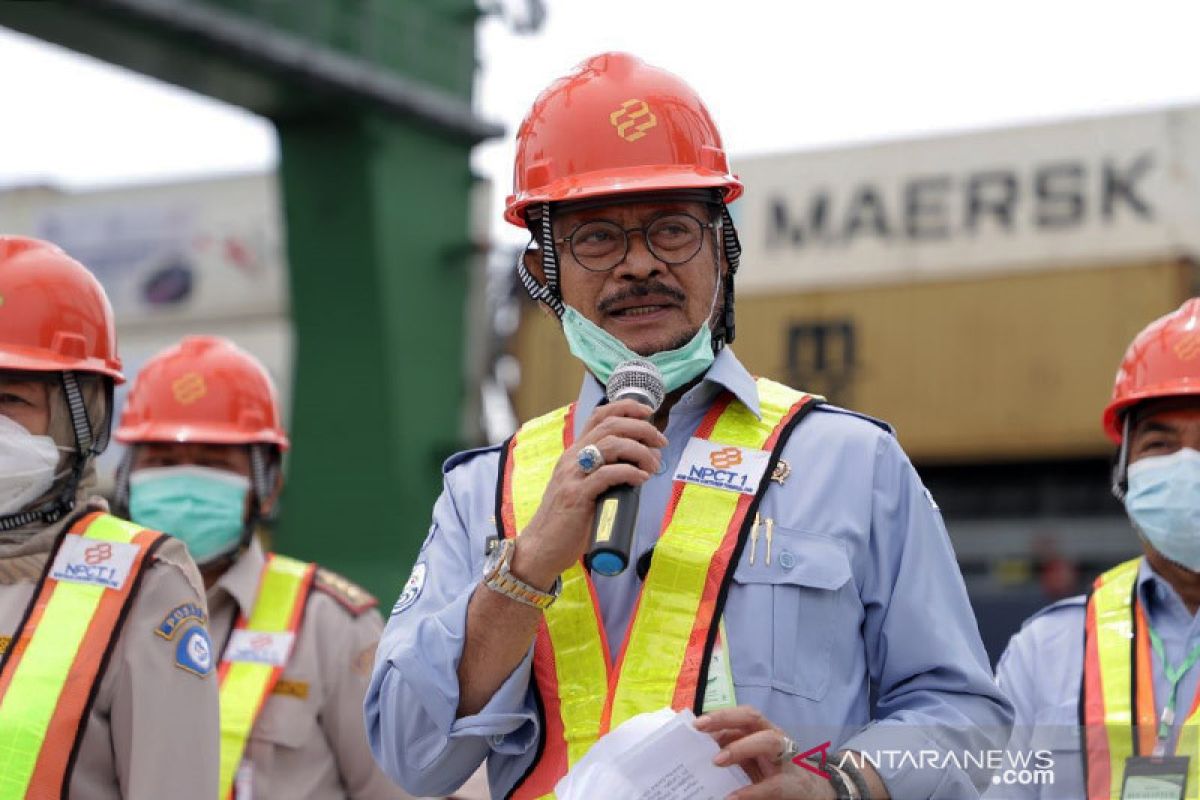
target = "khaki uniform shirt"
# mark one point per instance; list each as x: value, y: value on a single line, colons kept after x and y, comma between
x: 309, y: 740
x: 152, y: 731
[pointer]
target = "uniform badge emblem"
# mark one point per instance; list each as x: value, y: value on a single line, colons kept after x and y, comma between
x: 194, y: 652
x: 781, y: 472
x: 412, y: 589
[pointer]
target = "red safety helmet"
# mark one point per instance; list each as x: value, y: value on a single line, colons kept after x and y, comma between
x: 1162, y: 361
x: 205, y: 389
x: 613, y: 126
x: 54, y: 315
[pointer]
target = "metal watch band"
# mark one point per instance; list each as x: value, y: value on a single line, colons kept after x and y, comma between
x: 845, y: 788
x: 849, y: 766
x: 504, y: 582
x: 842, y: 785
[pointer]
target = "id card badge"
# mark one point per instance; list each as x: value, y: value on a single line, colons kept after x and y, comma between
x: 718, y: 691
x: 1149, y: 778
x: 243, y: 781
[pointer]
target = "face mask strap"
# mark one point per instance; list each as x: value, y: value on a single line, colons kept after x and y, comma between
x: 1120, y: 472
x: 86, y: 446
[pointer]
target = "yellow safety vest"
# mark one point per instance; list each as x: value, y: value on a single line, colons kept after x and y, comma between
x: 662, y: 663
x: 257, y: 651
x: 1119, y: 712
x: 51, y: 672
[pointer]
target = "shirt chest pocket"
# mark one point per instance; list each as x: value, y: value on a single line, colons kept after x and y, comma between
x: 782, y: 616
x: 286, y: 724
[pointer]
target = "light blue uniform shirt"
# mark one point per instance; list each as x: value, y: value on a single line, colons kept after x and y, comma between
x: 1042, y: 669
x: 858, y: 632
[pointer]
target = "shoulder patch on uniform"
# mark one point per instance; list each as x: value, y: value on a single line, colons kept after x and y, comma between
x: 412, y: 589
x: 1077, y: 601
x: 349, y: 594
x: 464, y: 456
x: 177, y: 617
x: 828, y: 408
x: 194, y: 652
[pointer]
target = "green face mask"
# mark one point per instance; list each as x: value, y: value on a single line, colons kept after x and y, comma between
x: 601, y: 352
x: 203, y: 507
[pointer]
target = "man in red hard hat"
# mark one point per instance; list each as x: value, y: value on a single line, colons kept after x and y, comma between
x: 293, y: 641
x: 1122, y: 659
x: 789, y: 577
x: 107, y: 680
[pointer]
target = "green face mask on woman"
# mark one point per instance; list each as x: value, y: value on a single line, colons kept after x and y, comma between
x: 203, y: 507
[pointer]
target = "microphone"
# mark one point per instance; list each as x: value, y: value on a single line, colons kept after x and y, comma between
x: 616, y: 508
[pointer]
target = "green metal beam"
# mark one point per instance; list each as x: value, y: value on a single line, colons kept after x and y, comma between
x: 371, y: 99
x: 242, y: 59
x: 376, y: 213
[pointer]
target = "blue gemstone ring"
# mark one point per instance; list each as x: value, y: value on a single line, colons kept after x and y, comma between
x: 590, y: 459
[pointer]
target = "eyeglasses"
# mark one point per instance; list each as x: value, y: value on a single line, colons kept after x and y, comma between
x: 599, y: 245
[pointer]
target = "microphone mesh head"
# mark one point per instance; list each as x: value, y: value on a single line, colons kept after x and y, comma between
x: 636, y: 379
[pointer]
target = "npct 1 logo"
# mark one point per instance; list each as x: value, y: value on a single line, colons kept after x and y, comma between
x: 97, y: 554
x: 725, y: 458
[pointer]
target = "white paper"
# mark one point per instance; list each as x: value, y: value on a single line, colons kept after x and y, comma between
x: 655, y: 756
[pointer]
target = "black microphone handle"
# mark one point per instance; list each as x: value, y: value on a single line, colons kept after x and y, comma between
x: 613, y: 529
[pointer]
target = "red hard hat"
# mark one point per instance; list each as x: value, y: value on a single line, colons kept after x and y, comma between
x: 54, y: 315
x: 1162, y: 361
x: 206, y: 390
x: 616, y: 125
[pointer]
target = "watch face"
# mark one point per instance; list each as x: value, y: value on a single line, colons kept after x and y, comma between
x: 491, y: 564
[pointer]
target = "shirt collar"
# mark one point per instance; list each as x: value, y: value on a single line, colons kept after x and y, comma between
x: 725, y: 373
x: 1157, y: 594
x: 241, y: 580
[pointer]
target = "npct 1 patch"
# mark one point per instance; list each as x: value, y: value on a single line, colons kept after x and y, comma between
x: 259, y: 647
x: 722, y: 466
x: 412, y: 589
x: 194, y: 652
x: 94, y: 561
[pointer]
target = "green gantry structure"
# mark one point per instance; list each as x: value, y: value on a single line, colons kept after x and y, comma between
x: 371, y: 99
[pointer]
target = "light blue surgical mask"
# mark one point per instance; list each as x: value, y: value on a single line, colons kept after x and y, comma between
x: 601, y: 352
x: 204, y: 507
x: 1163, y: 500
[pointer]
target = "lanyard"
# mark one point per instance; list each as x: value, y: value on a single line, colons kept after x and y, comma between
x: 1173, y: 675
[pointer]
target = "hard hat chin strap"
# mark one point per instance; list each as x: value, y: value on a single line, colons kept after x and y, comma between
x: 1120, y: 471
x: 550, y: 292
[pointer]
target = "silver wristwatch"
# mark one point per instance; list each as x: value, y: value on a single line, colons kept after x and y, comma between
x: 498, y: 578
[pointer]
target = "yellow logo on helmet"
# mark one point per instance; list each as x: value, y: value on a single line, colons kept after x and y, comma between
x: 633, y: 119
x: 189, y: 388
x: 1188, y: 347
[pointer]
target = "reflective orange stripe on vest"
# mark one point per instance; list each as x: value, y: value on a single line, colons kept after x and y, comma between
x: 50, y: 675
x: 1114, y: 693
x: 674, y: 622
x: 257, y: 651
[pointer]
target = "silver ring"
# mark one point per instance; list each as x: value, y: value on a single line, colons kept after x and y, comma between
x: 788, y: 750
x: 590, y: 459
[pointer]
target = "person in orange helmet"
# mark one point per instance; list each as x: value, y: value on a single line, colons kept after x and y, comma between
x: 1123, y: 658
x: 106, y: 670
x: 293, y: 641
x: 787, y: 578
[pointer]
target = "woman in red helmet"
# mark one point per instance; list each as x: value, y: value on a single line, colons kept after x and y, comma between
x: 1123, y: 659
x: 293, y: 641
x: 107, y: 680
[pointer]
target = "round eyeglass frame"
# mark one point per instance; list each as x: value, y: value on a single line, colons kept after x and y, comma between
x: 624, y: 252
